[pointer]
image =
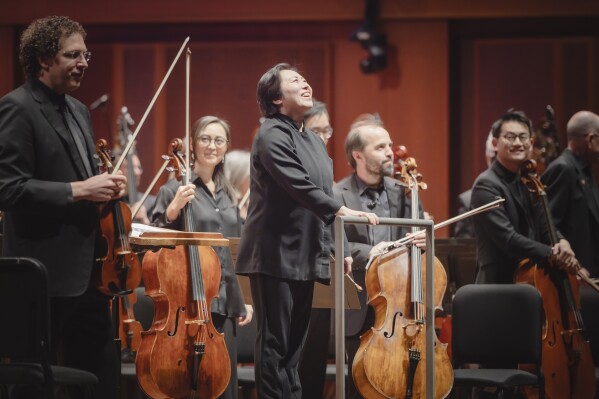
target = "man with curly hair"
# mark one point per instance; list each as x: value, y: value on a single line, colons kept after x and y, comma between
x: 50, y: 190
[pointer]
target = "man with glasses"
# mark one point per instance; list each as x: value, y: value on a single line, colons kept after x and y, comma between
x: 317, y: 120
x: 50, y: 192
x: 573, y: 192
x: 517, y: 230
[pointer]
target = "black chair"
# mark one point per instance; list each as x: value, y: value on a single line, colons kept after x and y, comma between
x: 25, y: 337
x: 589, y: 303
x: 498, y: 327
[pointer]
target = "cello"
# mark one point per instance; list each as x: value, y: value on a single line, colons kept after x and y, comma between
x: 119, y: 270
x: 182, y: 355
x: 566, y: 358
x: 386, y: 363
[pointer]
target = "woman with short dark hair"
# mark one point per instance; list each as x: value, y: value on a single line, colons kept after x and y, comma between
x: 285, y: 245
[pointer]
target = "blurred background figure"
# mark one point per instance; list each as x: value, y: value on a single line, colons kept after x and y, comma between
x: 134, y: 195
x: 237, y: 172
x: 317, y: 120
x: 573, y: 192
x: 464, y: 228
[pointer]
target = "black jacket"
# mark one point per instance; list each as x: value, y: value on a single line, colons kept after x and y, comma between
x: 286, y: 233
x: 347, y: 192
x: 508, y: 234
x: 574, y: 209
x: 38, y: 160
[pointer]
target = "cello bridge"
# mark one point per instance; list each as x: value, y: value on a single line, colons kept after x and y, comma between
x: 198, y: 322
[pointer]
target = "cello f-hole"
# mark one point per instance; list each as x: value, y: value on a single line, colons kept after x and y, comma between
x: 179, y: 309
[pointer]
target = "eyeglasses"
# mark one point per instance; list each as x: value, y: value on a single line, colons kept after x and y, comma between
x: 327, y: 132
x: 74, y: 55
x: 511, y: 138
x: 218, y: 141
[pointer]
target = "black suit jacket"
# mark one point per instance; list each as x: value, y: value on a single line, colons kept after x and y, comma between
x: 347, y: 192
x: 38, y: 160
x: 286, y: 233
x: 505, y: 235
x: 575, y: 212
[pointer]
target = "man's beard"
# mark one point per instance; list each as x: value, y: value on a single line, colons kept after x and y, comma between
x: 381, y: 169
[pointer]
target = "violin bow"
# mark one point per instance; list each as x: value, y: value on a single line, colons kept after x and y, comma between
x: 117, y: 167
x: 410, y: 237
x: 187, y: 128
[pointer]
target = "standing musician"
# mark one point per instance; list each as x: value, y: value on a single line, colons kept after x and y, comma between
x: 369, y: 151
x: 213, y: 209
x: 573, y: 192
x: 517, y: 231
x: 512, y: 238
x: 285, y: 245
x: 50, y: 193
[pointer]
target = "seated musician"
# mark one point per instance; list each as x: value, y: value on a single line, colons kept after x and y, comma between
x: 213, y: 209
x: 370, y: 188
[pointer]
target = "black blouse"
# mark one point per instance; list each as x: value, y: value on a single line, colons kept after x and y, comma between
x: 286, y: 232
x: 217, y: 214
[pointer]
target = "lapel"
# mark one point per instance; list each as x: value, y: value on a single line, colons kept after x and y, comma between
x: 583, y: 182
x: 85, y: 129
x: 50, y: 113
x: 351, y: 199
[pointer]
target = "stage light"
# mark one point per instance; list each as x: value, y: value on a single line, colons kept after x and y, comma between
x: 371, y: 40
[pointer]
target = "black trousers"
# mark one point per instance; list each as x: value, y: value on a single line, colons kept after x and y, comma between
x: 313, y: 363
x: 282, y: 316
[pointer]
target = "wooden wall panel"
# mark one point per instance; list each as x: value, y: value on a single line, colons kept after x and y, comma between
x: 7, y: 69
x: 411, y: 98
x: 526, y: 74
x: 223, y: 83
x: 116, y: 11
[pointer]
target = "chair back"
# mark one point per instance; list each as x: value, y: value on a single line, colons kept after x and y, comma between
x: 24, y: 306
x: 497, y: 324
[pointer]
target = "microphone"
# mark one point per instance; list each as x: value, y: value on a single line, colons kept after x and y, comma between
x: 99, y: 102
x: 127, y: 116
x: 371, y: 204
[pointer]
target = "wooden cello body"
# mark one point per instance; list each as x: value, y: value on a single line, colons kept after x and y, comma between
x: 387, y: 363
x: 384, y: 366
x: 567, y: 363
x: 182, y: 355
x: 166, y: 360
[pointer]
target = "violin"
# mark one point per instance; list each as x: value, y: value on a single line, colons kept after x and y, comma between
x: 182, y: 355
x: 387, y: 362
x: 119, y: 270
x: 566, y: 358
